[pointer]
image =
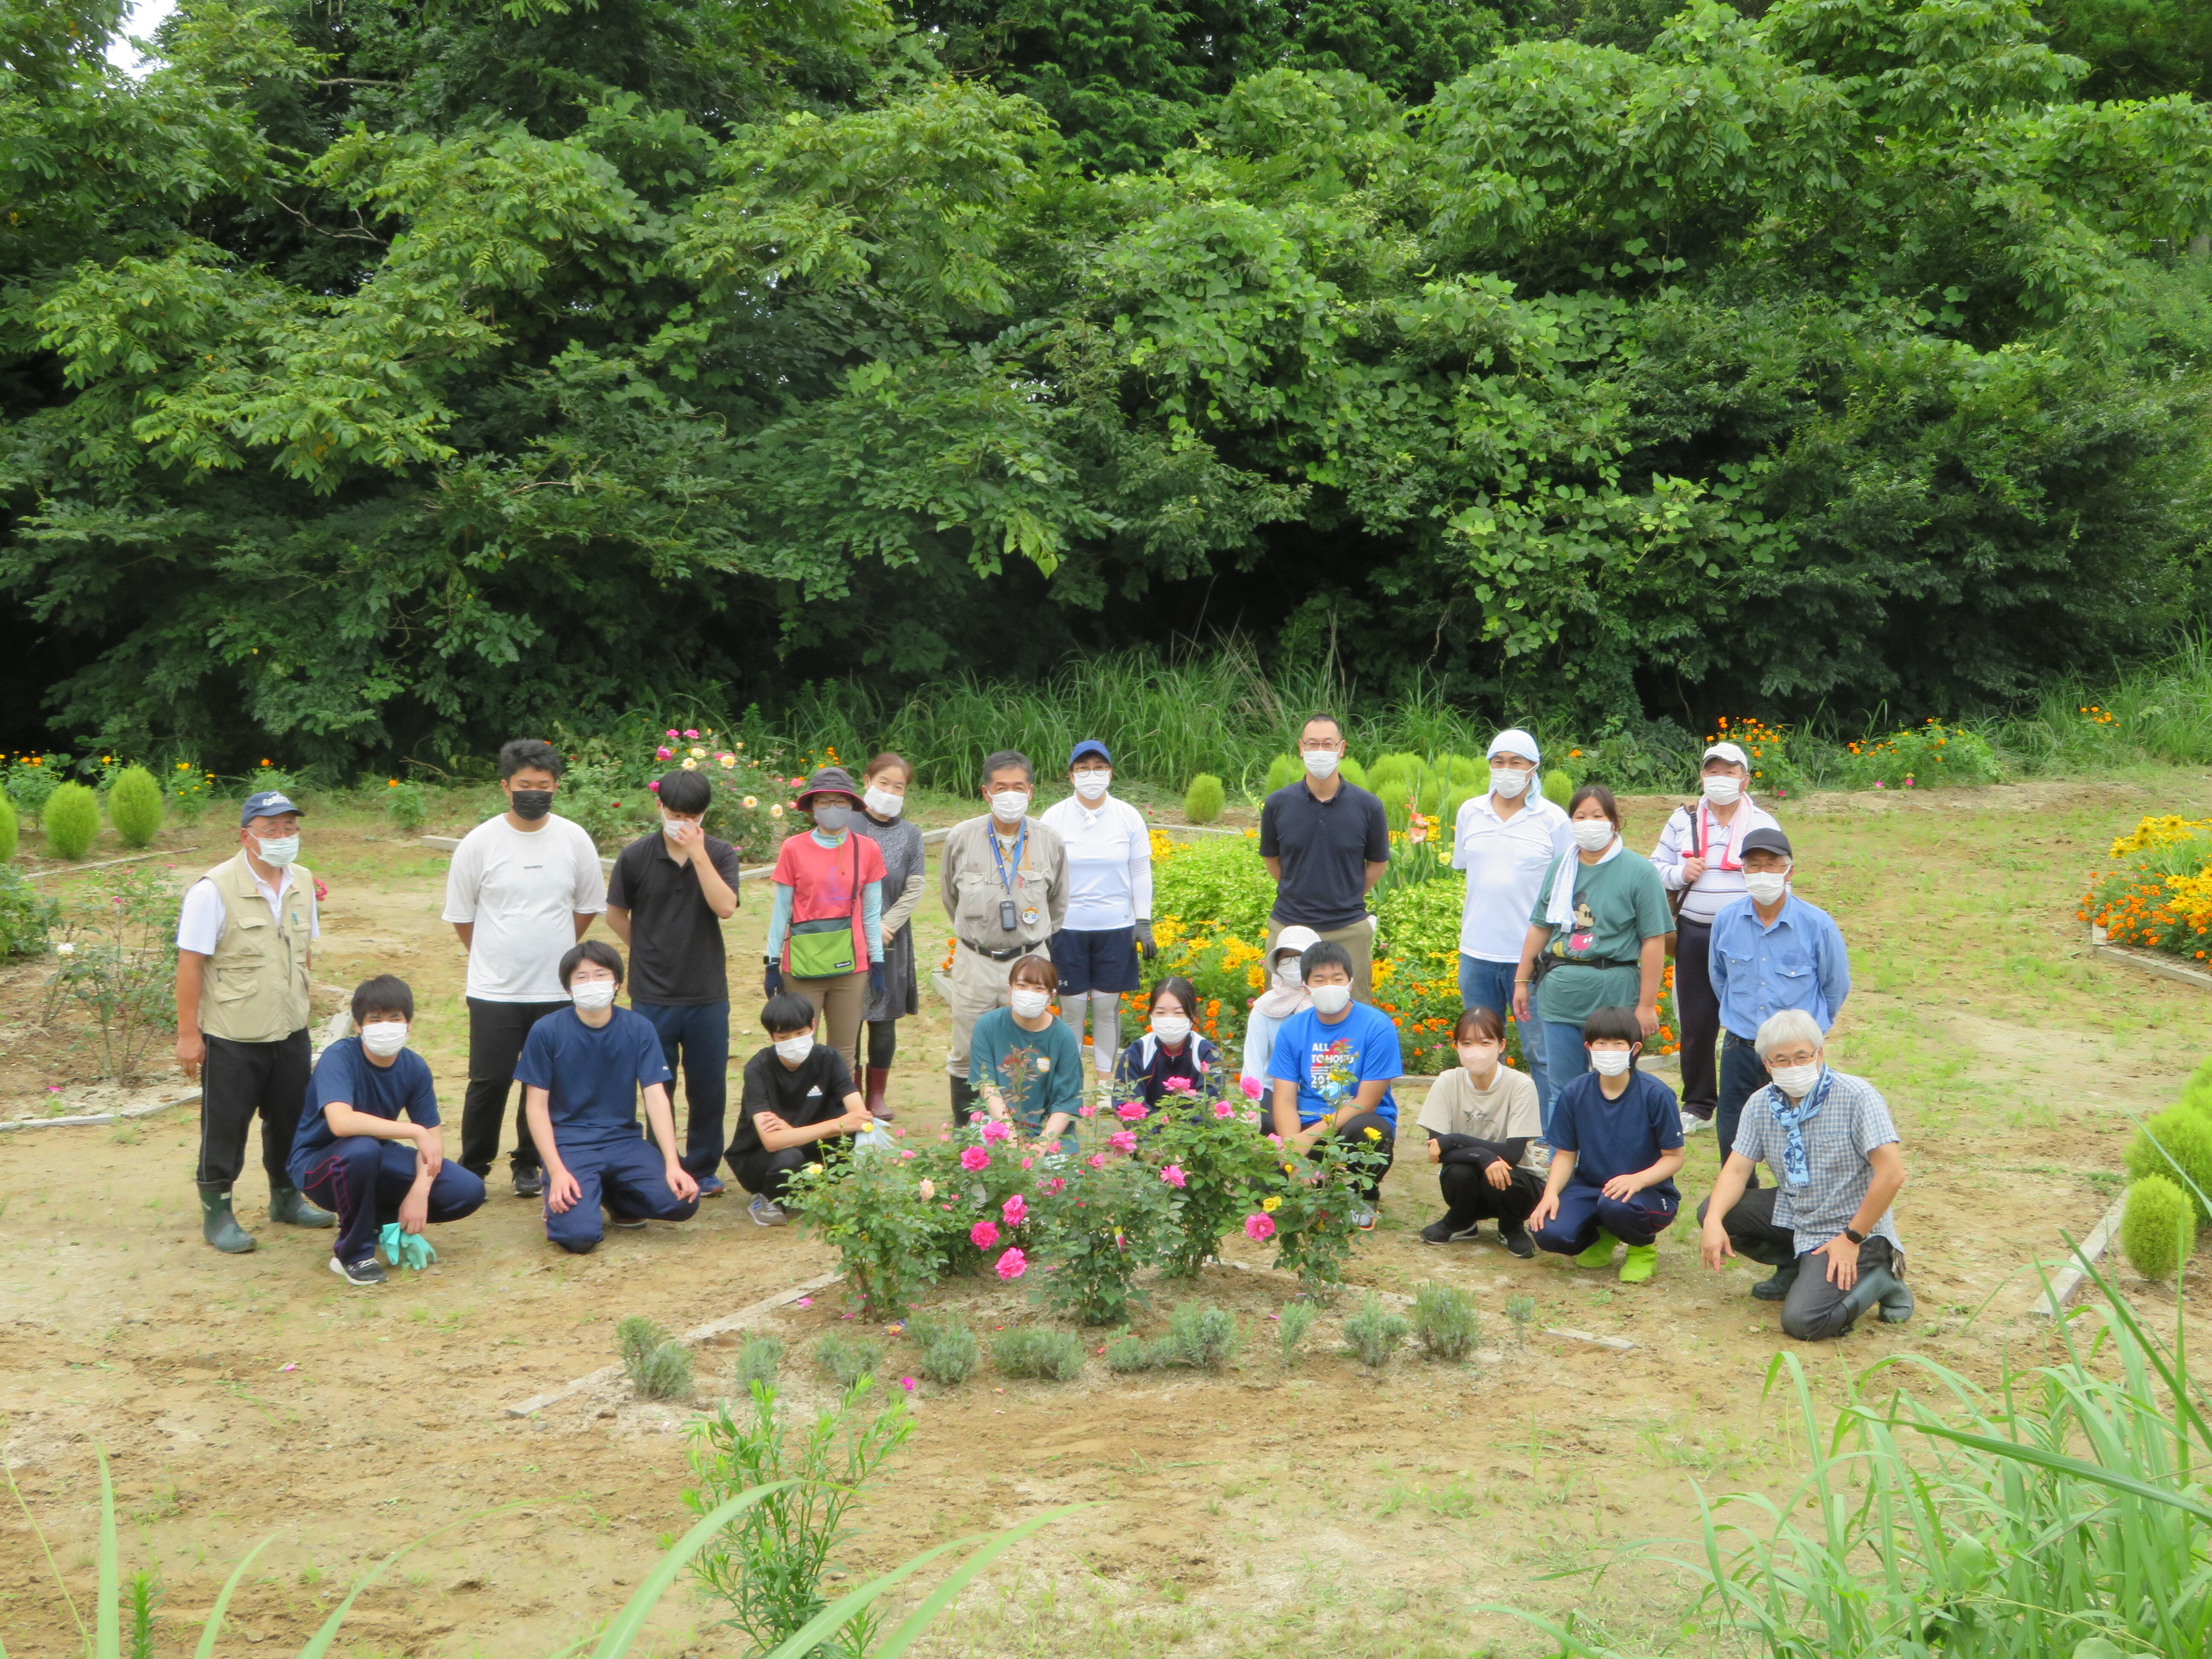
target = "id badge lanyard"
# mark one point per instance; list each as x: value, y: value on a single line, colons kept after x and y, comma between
x: 1008, y: 919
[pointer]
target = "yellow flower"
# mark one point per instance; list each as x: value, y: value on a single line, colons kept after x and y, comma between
x: 1372, y: 1132
x: 690, y: 765
x: 1270, y: 1205
x: 697, y: 753
x: 751, y: 801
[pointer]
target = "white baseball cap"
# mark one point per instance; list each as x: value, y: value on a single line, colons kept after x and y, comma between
x: 1729, y: 752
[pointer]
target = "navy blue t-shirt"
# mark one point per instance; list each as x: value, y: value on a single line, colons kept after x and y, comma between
x: 345, y: 1074
x: 591, y: 1077
x: 1613, y: 1138
x: 1329, y: 1062
x: 1324, y: 847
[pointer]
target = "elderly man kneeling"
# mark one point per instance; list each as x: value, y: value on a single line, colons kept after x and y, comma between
x: 1825, y: 1224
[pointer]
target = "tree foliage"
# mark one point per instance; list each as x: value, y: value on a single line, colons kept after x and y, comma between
x: 393, y: 378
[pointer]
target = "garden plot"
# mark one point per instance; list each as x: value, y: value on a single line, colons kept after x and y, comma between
x: 1325, y: 1506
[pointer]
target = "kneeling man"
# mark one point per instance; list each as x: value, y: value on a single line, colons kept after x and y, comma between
x: 1826, y: 1226
x: 353, y: 1154
x: 580, y: 1071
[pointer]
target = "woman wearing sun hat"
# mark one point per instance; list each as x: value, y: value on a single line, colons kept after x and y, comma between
x: 825, y: 936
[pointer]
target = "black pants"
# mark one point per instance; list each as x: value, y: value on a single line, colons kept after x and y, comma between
x: 1356, y: 1132
x: 766, y: 1173
x: 883, y: 1043
x: 1815, y: 1310
x: 238, y: 1079
x: 1468, y: 1195
x: 1743, y: 1074
x: 496, y: 1031
x: 1699, y: 1012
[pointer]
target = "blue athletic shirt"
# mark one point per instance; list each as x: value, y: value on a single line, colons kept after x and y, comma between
x: 345, y: 1073
x: 1329, y: 1062
x: 591, y: 1077
x: 1613, y: 1138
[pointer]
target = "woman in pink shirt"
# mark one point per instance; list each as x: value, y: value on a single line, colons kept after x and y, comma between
x: 825, y: 938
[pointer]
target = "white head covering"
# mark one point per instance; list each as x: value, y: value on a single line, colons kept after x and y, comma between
x: 1273, y: 1000
x: 1513, y: 741
x: 1731, y: 754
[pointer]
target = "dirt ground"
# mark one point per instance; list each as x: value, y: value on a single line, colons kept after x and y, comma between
x: 1324, y: 1509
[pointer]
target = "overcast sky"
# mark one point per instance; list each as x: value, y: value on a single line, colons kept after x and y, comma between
x: 146, y: 16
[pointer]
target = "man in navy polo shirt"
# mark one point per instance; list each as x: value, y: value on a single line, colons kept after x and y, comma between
x: 580, y: 1071
x: 1326, y: 842
x: 1333, y: 1068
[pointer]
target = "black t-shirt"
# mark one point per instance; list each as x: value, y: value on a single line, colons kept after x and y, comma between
x: 675, y: 938
x: 1326, y: 847
x: 809, y: 1093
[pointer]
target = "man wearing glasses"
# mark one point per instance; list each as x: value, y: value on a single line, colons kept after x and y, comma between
x: 1326, y: 842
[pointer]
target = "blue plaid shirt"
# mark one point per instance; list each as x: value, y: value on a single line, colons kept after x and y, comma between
x: 1853, y: 1122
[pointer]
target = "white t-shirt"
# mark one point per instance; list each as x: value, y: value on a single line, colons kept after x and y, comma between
x: 1110, y: 862
x: 201, y: 922
x: 523, y: 891
x: 1504, y: 860
x: 1506, y: 1110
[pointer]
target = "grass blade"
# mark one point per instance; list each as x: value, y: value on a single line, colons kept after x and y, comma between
x: 631, y: 1618
x: 213, y: 1626
x: 960, y: 1577
x: 2059, y: 1463
x: 809, y: 1636
x: 107, y: 1610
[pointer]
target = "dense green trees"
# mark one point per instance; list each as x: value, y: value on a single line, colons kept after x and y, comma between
x: 396, y: 376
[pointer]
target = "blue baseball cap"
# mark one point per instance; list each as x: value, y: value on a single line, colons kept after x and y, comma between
x: 267, y: 805
x: 1088, y: 747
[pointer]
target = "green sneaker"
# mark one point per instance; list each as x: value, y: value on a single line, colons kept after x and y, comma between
x: 1639, y: 1264
x: 1599, y: 1255
x: 218, y: 1226
x: 289, y: 1204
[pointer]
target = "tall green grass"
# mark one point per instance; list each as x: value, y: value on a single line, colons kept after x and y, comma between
x: 2159, y: 710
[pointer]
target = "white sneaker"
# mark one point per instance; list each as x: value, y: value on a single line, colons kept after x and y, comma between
x: 1363, y: 1217
x: 764, y: 1212
x: 1692, y: 1123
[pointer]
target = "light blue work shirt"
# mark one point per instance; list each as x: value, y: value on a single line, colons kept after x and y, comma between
x: 1796, y: 961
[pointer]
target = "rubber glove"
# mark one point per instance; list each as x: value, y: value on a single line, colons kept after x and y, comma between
x: 405, y: 1250
x: 1144, y: 938
x: 772, y: 980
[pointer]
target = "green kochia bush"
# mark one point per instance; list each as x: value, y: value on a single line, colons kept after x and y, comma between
x: 2186, y: 1137
x: 26, y: 917
x: 2158, y: 1230
x: 1558, y: 788
x: 134, y: 807
x: 9, y: 829
x: 1203, y: 801
x: 71, y: 821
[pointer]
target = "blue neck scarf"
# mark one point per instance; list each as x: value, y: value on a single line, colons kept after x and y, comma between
x: 1797, y: 1169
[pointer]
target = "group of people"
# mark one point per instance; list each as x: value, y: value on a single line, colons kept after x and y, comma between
x: 1563, y: 940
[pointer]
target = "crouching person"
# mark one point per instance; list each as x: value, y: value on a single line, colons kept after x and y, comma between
x: 1617, y: 1141
x: 580, y: 1071
x: 353, y: 1155
x: 1024, y: 1063
x: 1826, y: 1227
x: 798, y: 1102
x: 1481, y: 1116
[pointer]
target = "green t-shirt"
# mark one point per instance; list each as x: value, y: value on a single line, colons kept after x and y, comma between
x: 1617, y: 905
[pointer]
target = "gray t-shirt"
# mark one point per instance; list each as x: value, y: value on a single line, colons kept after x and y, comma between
x: 1506, y: 1110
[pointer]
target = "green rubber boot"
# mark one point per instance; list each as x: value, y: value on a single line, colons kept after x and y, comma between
x: 289, y: 1204
x: 1639, y: 1264
x: 218, y: 1226
x: 1599, y: 1255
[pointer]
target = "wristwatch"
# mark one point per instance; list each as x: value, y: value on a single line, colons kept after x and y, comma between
x: 1855, y: 1237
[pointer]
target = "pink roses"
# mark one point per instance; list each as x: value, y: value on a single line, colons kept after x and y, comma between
x: 1122, y: 1141
x: 983, y: 1235
x: 973, y: 1158
x: 1012, y: 1265
x: 1016, y: 1210
x: 1259, y: 1228
x: 1173, y: 1176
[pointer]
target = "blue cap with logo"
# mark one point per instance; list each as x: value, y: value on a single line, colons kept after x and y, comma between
x: 1088, y: 747
x: 265, y: 804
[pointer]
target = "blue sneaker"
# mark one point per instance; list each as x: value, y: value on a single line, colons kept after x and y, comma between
x: 710, y: 1187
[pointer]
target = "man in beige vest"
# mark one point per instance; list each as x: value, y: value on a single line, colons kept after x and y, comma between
x: 243, y: 940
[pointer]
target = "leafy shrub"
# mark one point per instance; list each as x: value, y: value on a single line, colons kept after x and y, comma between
x: 846, y: 1359
x: 2178, y: 1142
x: 1312, y: 1214
x: 1446, y: 1322
x: 118, y: 962
x: 71, y: 821
x: 1217, y: 885
x: 1129, y: 1353
x: 32, y: 779
x: 134, y: 807
x: 950, y: 1353
x: 1295, y: 1321
x: 889, y: 1239
x: 759, y: 1359
x: 10, y: 830
x: 1222, y: 1163
x: 1200, y: 1337
x: 658, y: 1367
x: 186, y: 789
x: 1100, y: 1230
x: 1373, y: 1334
x: 407, y: 805
x: 1203, y: 801
x: 1038, y: 1351
x: 1558, y: 787
x: 27, y: 915
x: 2158, y: 1230
x: 1932, y: 756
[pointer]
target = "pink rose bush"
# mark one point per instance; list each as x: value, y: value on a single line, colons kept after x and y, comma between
x: 1223, y: 1109
x: 983, y: 1235
x: 974, y: 1158
x: 1012, y: 1265
x: 1016, y: 1210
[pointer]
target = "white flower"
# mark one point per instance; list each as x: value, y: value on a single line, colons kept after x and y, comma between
x: 65, y: 949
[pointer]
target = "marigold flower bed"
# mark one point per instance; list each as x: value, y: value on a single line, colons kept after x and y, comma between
x: 2160, y: 896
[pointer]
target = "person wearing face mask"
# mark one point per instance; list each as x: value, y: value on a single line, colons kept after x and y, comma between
x: 882, y: 820
x: 1616, y: 1136
x: 580, y: 1071
x: 1598, y: 933
x: 1172, y: 1050
x: 1284, y: 995
x: 797, y: 1102
x: 1482, y: 1120
x: 1002, y: 881
x: 523, y: 887
x: 1826, y: 1226
x: 1700, y: 857
x: 1026, y: 1065
x: 1505, y: 840
x: 671, y: 890
x: 244, y: 939
x: 1331, y: 1071
x: 1326, y: 843
x: 352, y: 1152
x: 825, y: 938
x: 1770, y: 951
x: 1109, y: 901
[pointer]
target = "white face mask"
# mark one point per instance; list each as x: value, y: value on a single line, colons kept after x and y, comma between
x: 1029, y: 1002
x: 1611, y: 1062
x: 1592, y: 835
x: 791, y: 1050
x: 384, y: 1037
x: 673, y: 827
x: 592, y: 995
x: 280, y: 851
x: 1480, y: 1058
x: 1322, y: 762
x: 1722, y: 791
x: 1170, y: 1029
x: 884, y: 804
x: 1092, y: 785
x: 1504, y: 780
x: 1287, y: 974
x: 1330, y: 999
x: 1767, y: 885
x: 1008, y: 806
x: 1796, y: 1081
